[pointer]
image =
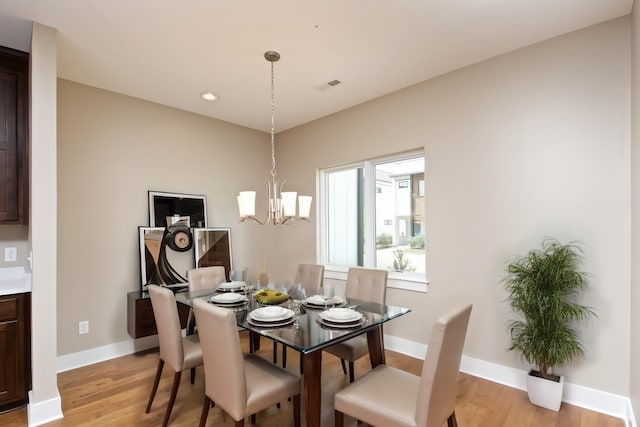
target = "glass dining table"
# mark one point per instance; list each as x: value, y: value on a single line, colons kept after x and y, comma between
x: 309, y: 334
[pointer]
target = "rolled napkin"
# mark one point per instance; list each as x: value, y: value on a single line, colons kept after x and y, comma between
x: 270, y: 296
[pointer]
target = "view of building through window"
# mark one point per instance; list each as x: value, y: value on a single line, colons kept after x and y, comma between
x: 399, y: 213
x: 382, y: 216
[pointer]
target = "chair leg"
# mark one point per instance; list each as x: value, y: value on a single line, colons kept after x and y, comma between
x: 191, y: 323
x: 275, y: 352
x: 451, y: 421
x: 351, y: 372
x: 284, y: 356
x: 344, y: 367
x: 253, y: 419
x: 339, y: 419
x: 296, y: 410
x: 301, y: 363
x: 156, y: 381
x: 205, y: 410
x: 172, y: 399
x: 193, y: 375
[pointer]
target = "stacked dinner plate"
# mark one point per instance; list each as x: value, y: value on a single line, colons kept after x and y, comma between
x: 271, y: 316
x: 231, y: 286
x: 228, y: 299
x: 318, y: 301
x: 341, y: 318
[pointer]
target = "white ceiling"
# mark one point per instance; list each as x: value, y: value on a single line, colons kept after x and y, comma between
x: 170, y: 51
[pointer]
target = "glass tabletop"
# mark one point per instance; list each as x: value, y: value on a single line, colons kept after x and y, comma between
x: 310, y: 332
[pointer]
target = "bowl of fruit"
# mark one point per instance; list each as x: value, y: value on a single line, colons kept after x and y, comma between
x: 270, y: 296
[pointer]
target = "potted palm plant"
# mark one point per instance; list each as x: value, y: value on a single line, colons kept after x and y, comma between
x: 542, y: 287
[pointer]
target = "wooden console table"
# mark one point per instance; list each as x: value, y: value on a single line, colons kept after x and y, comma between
x: 140, y: 320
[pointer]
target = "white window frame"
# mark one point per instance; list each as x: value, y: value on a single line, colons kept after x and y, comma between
x: 406, y: 280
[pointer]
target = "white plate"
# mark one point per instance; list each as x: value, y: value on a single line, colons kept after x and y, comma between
x: 242, y: 303
x: 337, y: 325
x: 227, y: 298
x: 231, y: 286
x: 267, y: 325
x: 319, y: 301
x: 272, y: 313
x: 340, y: 315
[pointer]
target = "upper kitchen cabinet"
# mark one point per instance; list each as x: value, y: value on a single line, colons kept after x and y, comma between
x: 14, y: 165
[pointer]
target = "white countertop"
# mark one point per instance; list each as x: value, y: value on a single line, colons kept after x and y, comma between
x: 14, y: 280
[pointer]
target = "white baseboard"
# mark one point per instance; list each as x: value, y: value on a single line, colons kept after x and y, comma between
x: 43, y: 412
x: 600, y: 401
x: 106, y: 352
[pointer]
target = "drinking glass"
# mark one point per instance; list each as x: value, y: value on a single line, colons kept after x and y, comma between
x: 296, y: 296
x: 327, y: 291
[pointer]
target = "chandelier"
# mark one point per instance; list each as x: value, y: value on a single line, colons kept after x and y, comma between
x: 282, y: 204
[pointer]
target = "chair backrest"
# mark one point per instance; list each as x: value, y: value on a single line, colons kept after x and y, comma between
x: 165, y: 312
x: 367, y: 284
x: 439, y: 381
x: 206, y: 277
x: 311, y: 276
x: 224, y: 372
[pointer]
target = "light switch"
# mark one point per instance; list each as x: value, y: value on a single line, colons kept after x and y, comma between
x: 10, y: 254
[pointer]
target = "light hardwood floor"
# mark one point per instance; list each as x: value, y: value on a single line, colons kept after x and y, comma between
x: 115, y: 393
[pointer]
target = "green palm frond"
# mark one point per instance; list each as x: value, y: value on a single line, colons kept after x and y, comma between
x: 542, y: 287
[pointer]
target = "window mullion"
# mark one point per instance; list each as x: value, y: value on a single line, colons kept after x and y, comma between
x: 369, y: 215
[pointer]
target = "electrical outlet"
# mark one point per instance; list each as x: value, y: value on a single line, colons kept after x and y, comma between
x: 10, y: 254
x: 83, y: 327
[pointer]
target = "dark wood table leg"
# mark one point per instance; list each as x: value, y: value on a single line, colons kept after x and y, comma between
x: 376, y: 347
x: 254, y: 342
x: 312, y: 386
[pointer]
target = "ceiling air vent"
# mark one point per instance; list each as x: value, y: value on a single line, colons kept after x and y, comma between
x: 334, y: 83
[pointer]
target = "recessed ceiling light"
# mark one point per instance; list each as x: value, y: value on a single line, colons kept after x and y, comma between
x: 209, y: 96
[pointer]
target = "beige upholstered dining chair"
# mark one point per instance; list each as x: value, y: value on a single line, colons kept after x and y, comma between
x: 206, y: 277
x: 178, y: 352
x: 241, y: 385
x: 390, y: 397
x: 203, y: 278
x: 311, y: 277
x: 367, y: 285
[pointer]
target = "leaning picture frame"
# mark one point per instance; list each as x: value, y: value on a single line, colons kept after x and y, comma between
x: 162, y: 262
x: 163, y: 207
x: 212, y: 246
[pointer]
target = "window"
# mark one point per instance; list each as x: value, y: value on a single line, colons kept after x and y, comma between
x: 372, y: 215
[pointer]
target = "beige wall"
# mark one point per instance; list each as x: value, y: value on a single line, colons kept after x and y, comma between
x: 112, y: 149
x: 635, y: 210
x: 14, y: 236
x: 529, y: 144
x: 44, y: 401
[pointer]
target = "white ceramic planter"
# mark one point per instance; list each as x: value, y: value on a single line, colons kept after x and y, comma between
x: 545, y: 393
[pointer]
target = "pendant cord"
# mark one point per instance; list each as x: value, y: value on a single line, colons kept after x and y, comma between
x: 273, y: 128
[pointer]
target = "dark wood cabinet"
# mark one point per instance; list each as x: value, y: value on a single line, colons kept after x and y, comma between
x: 140, y: 320
x: 14, y: 165
x: 15, y: 354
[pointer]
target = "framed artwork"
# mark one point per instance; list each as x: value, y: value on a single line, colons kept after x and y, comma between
x: 212, y: 246
x: 166, y: 254
x: 164, y: 207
